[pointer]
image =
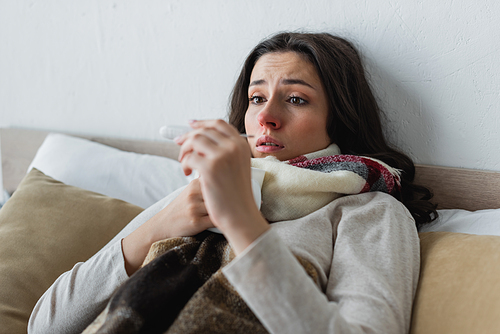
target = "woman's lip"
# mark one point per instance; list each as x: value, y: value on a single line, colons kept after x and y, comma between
x: 261, y: 147
x: 268, y: 149
x: 267, y: 139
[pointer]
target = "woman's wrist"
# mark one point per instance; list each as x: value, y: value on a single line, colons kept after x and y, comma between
x: 244, y: 232
x: 135, y: 247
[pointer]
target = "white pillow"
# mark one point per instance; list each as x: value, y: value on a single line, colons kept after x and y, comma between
x: 483, y: 222
x: 4, y: 196
x: 140, y: 179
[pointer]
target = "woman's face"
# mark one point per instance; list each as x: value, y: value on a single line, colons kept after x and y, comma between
x: 287, y: 108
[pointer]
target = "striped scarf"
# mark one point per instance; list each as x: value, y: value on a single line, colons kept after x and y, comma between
x: 295, y: 188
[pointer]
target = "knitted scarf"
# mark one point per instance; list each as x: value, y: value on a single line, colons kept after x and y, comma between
x: 289, y: 192
x: 181, y: 288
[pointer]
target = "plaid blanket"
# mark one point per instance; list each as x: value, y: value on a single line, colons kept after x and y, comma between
x: 181, y: 289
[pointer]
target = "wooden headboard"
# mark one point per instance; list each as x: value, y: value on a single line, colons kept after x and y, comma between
x: 453, y: 188
x: 459, y: 188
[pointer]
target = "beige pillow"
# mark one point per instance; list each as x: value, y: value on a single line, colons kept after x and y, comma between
x: 459, y: 287
x: 45, y: 228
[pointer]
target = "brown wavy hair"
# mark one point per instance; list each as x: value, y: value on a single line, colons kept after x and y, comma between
x: 353, y: 121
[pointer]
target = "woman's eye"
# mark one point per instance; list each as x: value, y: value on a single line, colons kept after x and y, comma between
x: 296, y: 100
x: 256, y: 99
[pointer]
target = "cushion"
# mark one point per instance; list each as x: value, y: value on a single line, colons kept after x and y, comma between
x: 459, y: 287
x: 140, y: 179
x: 485, y: 222
x: 45, y: 228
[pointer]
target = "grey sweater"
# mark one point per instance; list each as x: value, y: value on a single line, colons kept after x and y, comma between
x: 364, y: 247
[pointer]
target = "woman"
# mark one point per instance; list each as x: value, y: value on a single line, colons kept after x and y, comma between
x: 296, y: 94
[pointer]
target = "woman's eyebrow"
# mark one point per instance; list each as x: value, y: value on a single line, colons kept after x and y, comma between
x: 284, y: 82
x: 257, y: 82
x: 296, y: 82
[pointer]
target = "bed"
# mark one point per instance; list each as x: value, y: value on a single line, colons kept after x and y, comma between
x: 81, y: 190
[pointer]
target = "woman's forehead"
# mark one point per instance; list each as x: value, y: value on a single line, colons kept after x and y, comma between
x: 283, y: 62
x: 284, y: 66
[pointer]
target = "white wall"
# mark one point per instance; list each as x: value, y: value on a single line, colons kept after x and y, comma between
x: 123, y: 68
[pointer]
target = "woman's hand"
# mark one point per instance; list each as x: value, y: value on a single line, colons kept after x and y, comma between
x: 222, y: 158
x: 186, y: 215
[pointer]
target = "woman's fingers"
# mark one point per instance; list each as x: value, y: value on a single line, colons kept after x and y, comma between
x: 187, y: 214
x: 206, y: 155
x: 196, y: 146
x: 218, y: 127
x: 202, y: 140
x: 217, y: 124
x: 209, y: 139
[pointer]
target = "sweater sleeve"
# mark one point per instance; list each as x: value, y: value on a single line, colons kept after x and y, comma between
x: 77, y: 297
x: 371, y: 283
